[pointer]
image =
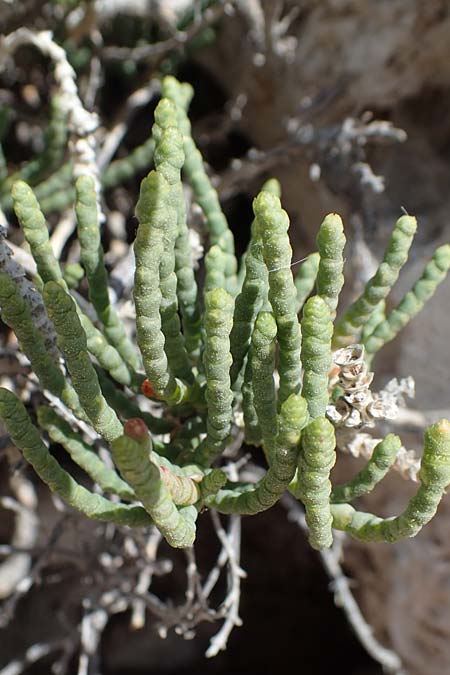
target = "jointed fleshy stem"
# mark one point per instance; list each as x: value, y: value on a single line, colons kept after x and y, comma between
x: 33, y: 224
x: 72, y: 342
x: 317, y: 330
x: 169, y: 158
x: 262, y: 357
x: 254, y: 285
x: 92, y: 258
x: 434, y: 479
x: 272, y: 224
x: 27, y: 439
x: 132, y: 457
x: 330, y: 245
x: 377, y: 317
x: 155, y: 215
x: 218, y: 319
x: 375, y: 470
x: 251, y: 499
x: 172, y: 477
x: 317, y: 458
x: 252, y: 430
x: 434, y: 274
x: 187, y: 291
x: 83, y: 454
x: 32, y: 221
x: 16, y: 313
x: 349, y: 327
x: 125, y: 407
x: 248, y: 303
x: 204, y: 191
x: 215, y: 268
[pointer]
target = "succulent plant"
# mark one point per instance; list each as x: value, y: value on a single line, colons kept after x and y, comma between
x: 233, y: 354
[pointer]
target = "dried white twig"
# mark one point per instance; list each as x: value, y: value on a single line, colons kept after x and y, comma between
x: 344, y: 598
x: 92, y: 626
x: 138, y: 605
x: 17, y: 566
x: 62, y: 232
x: 82, y: 124
x: 33, y: 654
x: 231, y: 544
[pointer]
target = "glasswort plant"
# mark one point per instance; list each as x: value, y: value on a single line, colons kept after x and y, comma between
x: 234, y: 350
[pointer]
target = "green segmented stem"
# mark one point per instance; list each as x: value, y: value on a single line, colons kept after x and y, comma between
x: 330, y: 245
x: 215, y: 266
x: 82, y: 454
x: 26, y: 437
x: 72, y: 342
x: 272, y: 224
x: 248, y: 303
x: 434, y: 274
x: 16, y: 314
x: 377, y: 317
x: 273, y: 186
x: 56, y: 184
x: 183, y: 482
x: 55, y: 141
x: 187, y: 290
x: 205, y: 368
x: 107, y: 356
x: 317, y: 458
x: 73, y: 273
x: 133, y: 462
x: 169, y: 159
x: 93, y: 262
x: 33, y: 224
x: 306, y: 278
x: 193, y: 166
x: 378, y: 287
x: 156, y: 216
x: 252, y: 499
x: 434, y: 479
x: 218, y: 320
x: 317, y: 331
x: 126, y: 167
x: 204, y: 192
x: 183, y: 490
x: 55, y: 136
x: 252, y: 430
x: 263, y: 366
x: 212, y: 482
x: 127, y: 409
x: 374, y: 471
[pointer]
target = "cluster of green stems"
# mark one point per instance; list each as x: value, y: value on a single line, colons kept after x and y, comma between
x: 254, y: 343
